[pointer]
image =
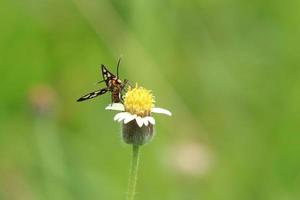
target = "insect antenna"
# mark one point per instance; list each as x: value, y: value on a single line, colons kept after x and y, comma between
x: 118, y: 65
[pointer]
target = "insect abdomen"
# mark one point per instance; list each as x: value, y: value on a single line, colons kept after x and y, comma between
x: 115, y: 97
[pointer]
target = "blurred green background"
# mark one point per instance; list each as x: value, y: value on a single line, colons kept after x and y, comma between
x: 228, y: 70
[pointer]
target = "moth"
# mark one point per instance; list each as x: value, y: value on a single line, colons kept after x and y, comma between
x: 113, y: 85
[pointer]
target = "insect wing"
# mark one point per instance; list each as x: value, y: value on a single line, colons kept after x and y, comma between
x: 107, y: 75
x: 93, y: 94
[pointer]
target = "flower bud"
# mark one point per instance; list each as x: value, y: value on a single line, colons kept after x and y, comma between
x: 133, y: 134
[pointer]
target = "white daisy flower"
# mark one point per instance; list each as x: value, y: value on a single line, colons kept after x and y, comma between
x: 138, y: 106
x: 136, y: 115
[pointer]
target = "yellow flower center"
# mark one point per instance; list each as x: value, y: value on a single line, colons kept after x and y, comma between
x: 138, y: 101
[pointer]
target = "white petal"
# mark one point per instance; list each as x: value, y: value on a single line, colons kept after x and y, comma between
x: 146, y: 122
x: 129, y: 118
x: 150, y: 119
x: 118, y: 116
x: 126, y: 114
x: 115, y: 106
x: 161, y: 111
x: 139, y: 121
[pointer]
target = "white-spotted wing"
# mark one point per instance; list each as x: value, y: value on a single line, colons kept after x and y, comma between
x: 107, y: 75
x: 93, y: 94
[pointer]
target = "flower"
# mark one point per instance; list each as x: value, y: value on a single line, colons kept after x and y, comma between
x: 138, y: 105
x: 136, y: 113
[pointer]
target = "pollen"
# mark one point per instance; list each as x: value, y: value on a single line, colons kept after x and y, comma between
x: 139, y: 101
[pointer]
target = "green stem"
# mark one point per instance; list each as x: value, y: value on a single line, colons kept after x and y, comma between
x: 133, y: 172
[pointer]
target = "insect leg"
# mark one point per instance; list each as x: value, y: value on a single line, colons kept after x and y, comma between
x: 126, y: 82
x: 123, y: 88
x: 100, y: 81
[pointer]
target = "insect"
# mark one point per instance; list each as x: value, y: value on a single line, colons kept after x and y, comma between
x: 113, y: 85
